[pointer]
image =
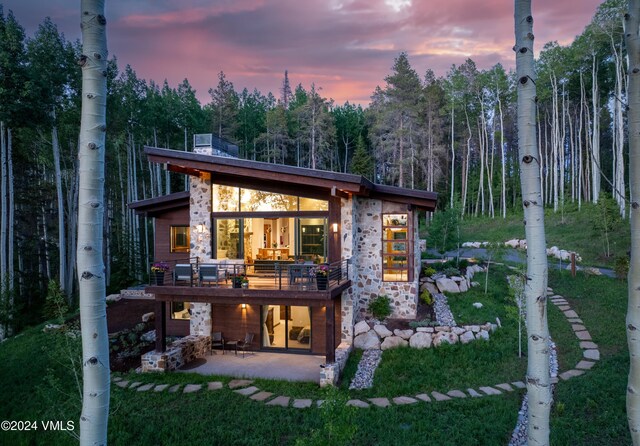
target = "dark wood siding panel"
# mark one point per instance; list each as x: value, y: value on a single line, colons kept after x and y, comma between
x: 318, y: 322
x: 337, y: 310
x: 178, y: 217
x: 234, y: 322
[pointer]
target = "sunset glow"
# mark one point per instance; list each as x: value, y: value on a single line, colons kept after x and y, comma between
x: 345, y: 46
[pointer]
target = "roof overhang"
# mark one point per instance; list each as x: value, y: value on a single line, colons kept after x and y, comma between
x: 285, y: 179
x: 153, y: 206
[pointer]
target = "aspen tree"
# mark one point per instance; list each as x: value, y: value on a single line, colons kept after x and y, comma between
x: 632, y: 37
x: 91, y: 270
x: 538, y: 377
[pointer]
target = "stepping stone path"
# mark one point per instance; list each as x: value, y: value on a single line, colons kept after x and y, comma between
x: 244, y: 387
x: 590, y: 352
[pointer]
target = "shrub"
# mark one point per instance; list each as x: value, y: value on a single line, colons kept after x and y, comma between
x: 463, y: 264
x: 451, y: 271
x: 621, y: 267
x: 380, y: 307
x: 426, y: 297
x: 428, y: 271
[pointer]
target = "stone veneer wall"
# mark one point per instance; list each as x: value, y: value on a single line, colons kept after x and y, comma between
x: 367, y: 263
x: 330, y: 373
x: 348, y: 225
x: 179, y: 353
x: 200, y: 214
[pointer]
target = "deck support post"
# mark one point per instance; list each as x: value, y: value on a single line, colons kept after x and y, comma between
x: 330, y: 332
x: 161, y: 326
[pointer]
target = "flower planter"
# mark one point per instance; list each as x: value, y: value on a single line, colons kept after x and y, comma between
x: 237, y: 283
x: 321, y: 281
x: 159, y: 278
x: 245, y: 285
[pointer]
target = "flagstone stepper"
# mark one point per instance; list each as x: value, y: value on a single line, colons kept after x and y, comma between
x: 247, y: 390
x: 380, y: 402
x: 400, y: 400
x: 282, y: 401
x: 261, y: 396
x: 440, y: 396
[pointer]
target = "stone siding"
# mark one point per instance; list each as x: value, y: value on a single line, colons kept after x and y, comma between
x: 200, y: 214
x: 367, y: 264
x: 330, y: 373
x: 179, y: 353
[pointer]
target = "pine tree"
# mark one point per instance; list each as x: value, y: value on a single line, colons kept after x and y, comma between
x: 362, y: 162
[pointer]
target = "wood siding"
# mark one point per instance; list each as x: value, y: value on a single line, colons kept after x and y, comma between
x: 163, y: 223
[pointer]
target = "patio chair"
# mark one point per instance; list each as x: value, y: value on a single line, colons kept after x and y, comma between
x: 243, y: 345
x: 183, y: 273
x: 217, y: 340
x: 209, y: 273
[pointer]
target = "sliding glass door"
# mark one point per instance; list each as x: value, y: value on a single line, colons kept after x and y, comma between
x: 286, y: 327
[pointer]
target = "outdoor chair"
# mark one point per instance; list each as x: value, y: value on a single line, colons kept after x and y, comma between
x: 183, y: 273
x: 243, y: 345
x: 210, y: 273
x: 217, y: 340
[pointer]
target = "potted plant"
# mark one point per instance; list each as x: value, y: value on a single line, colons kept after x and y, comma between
x: 237, y: 280
x: 245, y: 283
x: 157, y: 270
x: 322, y: 276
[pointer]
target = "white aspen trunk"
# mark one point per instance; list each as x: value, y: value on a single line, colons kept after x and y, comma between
x: 11, y: 205
x: 62, y: 242
x: 595, y: 135
x: 481, y: 142
x: 619, y: 139
x: 313, y: 136
x: 632, y: 33
x: 465, y: 171
x: 540, y: 157
x: 93, y: 317
x: 538, y: 377
x: 73, y: 227
x: 3, y: 210
x: 453, y: 156
x: 572, y: 155
x: 401, y: 155
x: 561, y: 148
x: 186, y: 177
x: 555, y: 140
x: 503, y: 197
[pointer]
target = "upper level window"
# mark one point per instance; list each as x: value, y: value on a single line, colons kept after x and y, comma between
x: 396, y: 247
x: 234, y: 199
x: 179, y: 238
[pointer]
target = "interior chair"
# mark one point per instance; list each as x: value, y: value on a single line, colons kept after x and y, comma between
x: 217, y: 340
x: 209, y: 273
x: 183, y: 273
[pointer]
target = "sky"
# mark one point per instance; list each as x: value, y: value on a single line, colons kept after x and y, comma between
x: 345, y: 47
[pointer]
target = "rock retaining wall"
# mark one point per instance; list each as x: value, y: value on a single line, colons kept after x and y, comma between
x: 330, y: 373
x: 178, y: 353
x: 380, y: 337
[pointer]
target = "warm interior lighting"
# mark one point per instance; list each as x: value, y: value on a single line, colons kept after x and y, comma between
x: 244, y: 306
x: 334, y: 227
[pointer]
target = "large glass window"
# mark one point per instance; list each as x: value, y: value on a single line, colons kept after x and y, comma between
x: 234, y: 199
x: 313, y: 240
x: 396, y: 247
x: 228, y: 244
x: 180, y: 311
x: 179, y: 238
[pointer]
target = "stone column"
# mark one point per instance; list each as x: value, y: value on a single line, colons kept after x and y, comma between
x: 200, y: 227
x: 348, y: 227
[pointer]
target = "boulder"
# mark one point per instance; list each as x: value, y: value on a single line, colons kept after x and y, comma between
x: 431, y: 288
x: 444, y: 338
x: 457, y: 279
x: 474, y: 328
x: 482, y: 334
x: 463, y: 286
x: 113, y: 297
x: 522, y: 244
x: 457, y: 330
x: 513, y: 243
x: 382, y: 331
x: 51, y: 327
x: 404, y: 334
x: 148, y: 317
x: 467, y: 337
x: 421, y: 340
x: 447, y: 285
x: 367, y: 341
x: 477, y: 305
x: 475, y: 283
x: 361, y: 327
x: 149, y: 336
x: 393, y: 342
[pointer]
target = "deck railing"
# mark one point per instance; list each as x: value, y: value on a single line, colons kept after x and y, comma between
x: 275, y: 275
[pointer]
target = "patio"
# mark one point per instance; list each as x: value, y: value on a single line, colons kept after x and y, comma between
x: 267, y: 365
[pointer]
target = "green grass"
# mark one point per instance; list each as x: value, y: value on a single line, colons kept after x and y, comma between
x: 592, y: 409
x: 571, y: 230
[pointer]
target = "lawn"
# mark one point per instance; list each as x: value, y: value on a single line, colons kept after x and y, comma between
x: 589, y: 409
x: 560, y: 229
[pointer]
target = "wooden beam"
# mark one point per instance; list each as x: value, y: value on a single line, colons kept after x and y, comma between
x: 330, y: 333
x: 161, y: 326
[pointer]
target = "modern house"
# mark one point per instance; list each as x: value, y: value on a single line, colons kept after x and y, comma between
x: 315, y: 247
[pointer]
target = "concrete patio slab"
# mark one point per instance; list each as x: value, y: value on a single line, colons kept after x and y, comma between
x: 267, y: 365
